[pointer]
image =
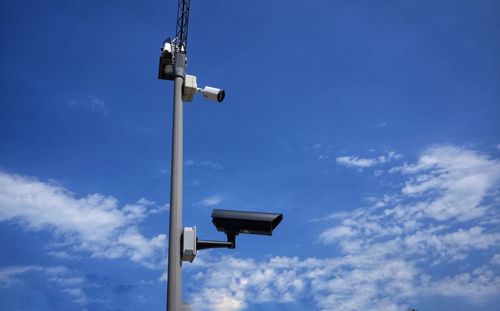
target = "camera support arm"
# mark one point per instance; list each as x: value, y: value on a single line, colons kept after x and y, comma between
x: 204, y: 244
x: 190, y: 244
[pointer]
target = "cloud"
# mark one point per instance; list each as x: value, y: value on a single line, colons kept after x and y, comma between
x: 210, y: 201
x: 459, y: 178
x: 477, y: 285
x: 203, y: 164
x: 71, y: 282
x: 142, y: 209
x: 320, y: 152
x: 398, y: 250
x: 355, y: 161
x: 8, y: 275
x: 91, y: 104
x: 230, y: 283
x: 335, y: 233
x: 325, y: 153
x: 94, y: 223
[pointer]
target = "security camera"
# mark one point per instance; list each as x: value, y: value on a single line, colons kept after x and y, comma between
x: 166, y: 65
x: 229, y: 221
x: 166, y: 48
x: 190, y: 88
x: 212, y: 93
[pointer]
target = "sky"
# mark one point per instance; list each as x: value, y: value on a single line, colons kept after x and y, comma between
x: 373, y: 126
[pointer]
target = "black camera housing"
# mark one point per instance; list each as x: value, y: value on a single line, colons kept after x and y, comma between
x: 235, y: 222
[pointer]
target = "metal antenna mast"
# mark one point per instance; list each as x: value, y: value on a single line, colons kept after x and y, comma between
x: 181, y: 32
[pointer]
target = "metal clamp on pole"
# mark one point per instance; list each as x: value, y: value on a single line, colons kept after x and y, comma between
x: 179, y: 65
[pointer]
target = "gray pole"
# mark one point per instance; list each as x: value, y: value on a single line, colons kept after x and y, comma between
x: 174, y: 283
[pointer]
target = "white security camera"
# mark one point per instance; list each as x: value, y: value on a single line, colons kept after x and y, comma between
x: 212, y: 93
x: 167, y: 46
x: 190, y: 88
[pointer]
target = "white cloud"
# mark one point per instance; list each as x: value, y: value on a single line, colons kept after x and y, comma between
x: 356, y: 161
x: 495, y: 259
x: 142, y: 209
x: 94, y: 223
x: 204, y: 164
x: 71, y: 282
x: 91, y: 104
x: 210, y: 201
x: 229, y: 283
x: 343, y: 283
x: 385, y: 254
x: 8, y: 275
x: 478, y: 285
x: 336, y: 233
x: 331, y: 283
x: 460, y: 178
x: 217, y: 299
x: 320, y: 152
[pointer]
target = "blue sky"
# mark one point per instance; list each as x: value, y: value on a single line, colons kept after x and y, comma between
x: 371, y: 125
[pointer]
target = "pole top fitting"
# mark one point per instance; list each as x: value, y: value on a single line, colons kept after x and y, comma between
x: 180, y: 65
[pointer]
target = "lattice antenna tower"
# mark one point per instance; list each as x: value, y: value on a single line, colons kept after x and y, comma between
x: 181, y: 35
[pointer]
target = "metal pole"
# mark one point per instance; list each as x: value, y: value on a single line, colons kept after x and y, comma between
x: 174, y: 283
